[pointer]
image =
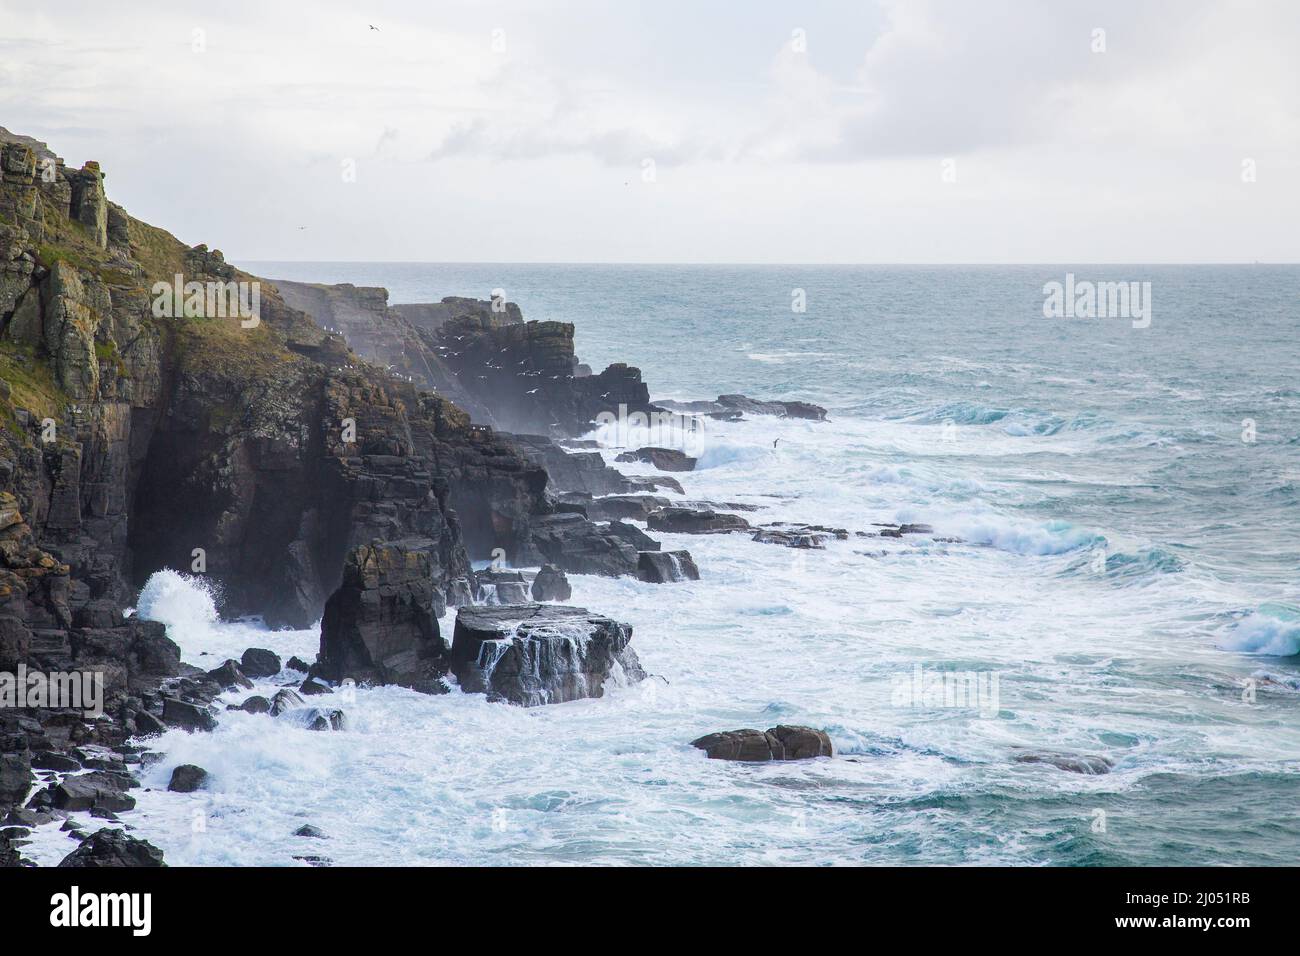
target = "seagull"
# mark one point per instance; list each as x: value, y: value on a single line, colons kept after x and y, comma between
x: 774, y: 441
x: 533, y: 391
x: 375, y: 28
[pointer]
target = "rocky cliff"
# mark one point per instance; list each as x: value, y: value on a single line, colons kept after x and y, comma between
x: 505, y: 372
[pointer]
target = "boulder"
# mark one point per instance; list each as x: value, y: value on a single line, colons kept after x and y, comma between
x: 665, y: 459
x: 114, y: 848
x: 620, y: 507
x: 381, y: 625
x: 258, y: 662
x: 229, y: 676
x: 255, y: 705
x: 307, y: 830
x: 690, y: 521
x: 187, y: 778
x: 784, y: 742
x: 551, y: 584
x: 190, y: 716
x: 540, y: 653
x: 99, y: 790
x: 325, y: 718
x: 664, y: 567
x: 314, y: 687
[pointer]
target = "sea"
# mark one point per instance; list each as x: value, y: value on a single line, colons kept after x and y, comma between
x: 1113, y: 571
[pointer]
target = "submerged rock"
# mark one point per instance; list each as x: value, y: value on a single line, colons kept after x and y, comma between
x: 114, y: 848
x: 551, y: 584
x: 1091, y: 764
x: 307, y: 830
x: 784, y: 742
x: 691, y: 521
x: 665, y: 459
x: 541, y: 653
x: 734, y: 406
x: 663, y: 567
x: 285, y: 701
x: 187, y: 778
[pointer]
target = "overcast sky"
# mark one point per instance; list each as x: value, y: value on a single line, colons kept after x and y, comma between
x: 778, y: 132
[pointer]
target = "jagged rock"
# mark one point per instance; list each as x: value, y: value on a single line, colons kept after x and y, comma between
x: 576, y: 545
x: 258, y: 662
x: 540, y: 653
x: 551, y: 584
x: 255, y: 705
x: 689, y: 521
x: 783, y: 742
x: 298, y: 664
x: 114, y: 848
x: 663, y: 567
x: 665, y: 459
x: 182, y: 713
x: 792, y: 539
x: 307, y: 830
x: 97, y: 789
x: 187, y: 778
x: 380, y: 626
x: 583, y: 472
x: 1091, y: 764
x: 228, y: 676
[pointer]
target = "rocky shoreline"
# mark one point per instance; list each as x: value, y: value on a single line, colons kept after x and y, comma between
x: 331, y: 458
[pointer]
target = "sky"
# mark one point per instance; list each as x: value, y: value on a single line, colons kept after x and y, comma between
x: 876, y: 131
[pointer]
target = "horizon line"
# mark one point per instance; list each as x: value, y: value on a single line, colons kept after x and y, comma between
x: 578, y: 262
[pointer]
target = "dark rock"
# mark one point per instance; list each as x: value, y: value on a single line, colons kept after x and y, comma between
x: 619, y: 507
x: 633, y: 536
x: 551, y: 584
x: 663, y: 567
x: 314, y: 687
x: 688, y: 521
x: 114, y: 848
x: 540, y: 653
x: 575, y: 545
x: 95, y: 790
x: 665, y: 459
x: 255, y: 705
x: 187, y: 778
x: 228, y: 676
x: 307, y: 830
x: 1091, y: 764
x: 512, y: 592
x: 49, y: 760
x: 380, y: 626
x: 286, y: 700
x: 147, y: 725
x: 298, y: 664
x: 779, y: 743
x: 321, y: 718
x: 258, y: 662
x: 15, y: 777
x: 181, y: 713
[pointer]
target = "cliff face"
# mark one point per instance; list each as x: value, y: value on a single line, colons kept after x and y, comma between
x: 507, y: 373
x: 258, y: 451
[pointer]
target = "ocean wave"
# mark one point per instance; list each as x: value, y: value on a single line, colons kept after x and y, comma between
x: 1123, y: 566
x: 1051, y: 537
x: 1273, y: 630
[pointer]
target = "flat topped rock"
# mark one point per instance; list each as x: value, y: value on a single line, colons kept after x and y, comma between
x: 532, y: 654
x: 783, y: 742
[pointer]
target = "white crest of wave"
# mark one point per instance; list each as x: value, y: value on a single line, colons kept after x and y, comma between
x: 178, y: 600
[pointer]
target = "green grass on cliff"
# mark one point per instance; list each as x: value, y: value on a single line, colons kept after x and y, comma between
x: 31, y: 386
